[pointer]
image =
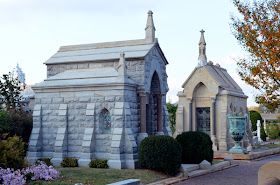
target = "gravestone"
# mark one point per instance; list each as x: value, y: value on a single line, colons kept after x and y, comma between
x: 100, y: 101
x: 259, y: 131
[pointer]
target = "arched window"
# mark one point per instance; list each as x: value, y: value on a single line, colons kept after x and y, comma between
x: 106, y: 121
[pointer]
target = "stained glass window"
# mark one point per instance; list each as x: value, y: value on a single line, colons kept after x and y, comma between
x: 106, y: 122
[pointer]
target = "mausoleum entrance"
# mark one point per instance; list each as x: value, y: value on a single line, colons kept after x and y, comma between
x: 203, y: 119
x: 208, y: 95
x: 154, y: 101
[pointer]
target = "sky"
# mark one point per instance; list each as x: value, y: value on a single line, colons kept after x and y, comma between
x: 31, y: 31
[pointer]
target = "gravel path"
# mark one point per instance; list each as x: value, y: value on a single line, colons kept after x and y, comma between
x: 244, y: 174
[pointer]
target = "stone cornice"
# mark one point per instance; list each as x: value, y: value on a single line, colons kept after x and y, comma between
x: 95, y: 87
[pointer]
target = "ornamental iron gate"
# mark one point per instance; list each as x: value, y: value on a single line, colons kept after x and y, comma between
x: 203, y: 120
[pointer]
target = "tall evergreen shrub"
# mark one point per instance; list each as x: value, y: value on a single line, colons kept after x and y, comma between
x: 160, y: 153
x: 196, y: 147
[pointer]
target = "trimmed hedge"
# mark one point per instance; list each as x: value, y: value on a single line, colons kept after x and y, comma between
x: 160, y: 153
x: 69, y: 162
x: 98, y: 163
x: 196, y: 146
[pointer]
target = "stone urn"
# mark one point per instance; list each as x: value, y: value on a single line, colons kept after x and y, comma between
x: 237, y: 129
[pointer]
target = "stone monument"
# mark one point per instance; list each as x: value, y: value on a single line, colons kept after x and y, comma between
x: 100, y: 100
x: 259, y: 131
x: 209, y: 94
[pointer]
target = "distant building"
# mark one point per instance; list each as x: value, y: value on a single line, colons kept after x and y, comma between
x: 18, y: 74
x: 28, y: 96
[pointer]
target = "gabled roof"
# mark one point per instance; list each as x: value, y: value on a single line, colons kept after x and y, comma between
x: 103, y: 51
x: 220, y: 76
x: 270, y: 116
x: 109, y: 50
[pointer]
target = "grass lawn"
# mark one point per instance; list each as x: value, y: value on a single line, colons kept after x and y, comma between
x: 268, y: 146
x: 102, y: 176
x: 216, y: 161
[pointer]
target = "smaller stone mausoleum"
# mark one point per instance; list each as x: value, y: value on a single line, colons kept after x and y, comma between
x: 209, y: 94
x: 100, y: 101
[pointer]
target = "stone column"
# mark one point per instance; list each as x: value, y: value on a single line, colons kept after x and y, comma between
x: 159, y: 115
x: 89, y: 138
x: 259, y: 131
x: 264, y: 125
x: 36, y: 139
x: 143, y: 129
x: 213, y: 122
x: 143, y: 125
x: 61, y: 140
x: 190, y: 114
x: 213, y: 116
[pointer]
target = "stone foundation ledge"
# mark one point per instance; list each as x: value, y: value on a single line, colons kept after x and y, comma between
x: 128, y: 182
x: 252, y: 155
x: 193, y: 170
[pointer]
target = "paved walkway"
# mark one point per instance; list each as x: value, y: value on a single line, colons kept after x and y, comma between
x: 244, y: 174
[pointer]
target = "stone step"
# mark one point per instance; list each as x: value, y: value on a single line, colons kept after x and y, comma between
x: 198, y: 172
x: 189, y: 167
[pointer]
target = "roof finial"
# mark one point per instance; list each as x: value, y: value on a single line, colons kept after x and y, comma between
x: 150, y: 27
x: 202, y: 60
x: 122, y: 74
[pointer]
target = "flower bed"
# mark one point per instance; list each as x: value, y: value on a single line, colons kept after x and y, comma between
x: 33, y: 172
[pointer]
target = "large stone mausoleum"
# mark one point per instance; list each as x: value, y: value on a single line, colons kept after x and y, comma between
x: 209, y: 94
x: 100, y: 101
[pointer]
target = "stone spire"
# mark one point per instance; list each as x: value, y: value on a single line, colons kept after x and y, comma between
x: 150, y: 28
x: 122, y: 74
x: 202, y: 60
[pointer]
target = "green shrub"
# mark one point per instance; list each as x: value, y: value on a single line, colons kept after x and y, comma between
x: 69, y: 162
x: 160, y: 153
x: 12, y: 152
x: 172, y: 116
x: 254, y: 117
x: 16, y: 122
x: 45, y: 160
x: 273, y: 130
x: 196, y: 146
x: 98, y: 163
x: 263, y: 134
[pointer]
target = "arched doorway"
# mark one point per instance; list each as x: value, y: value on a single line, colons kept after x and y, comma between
x: 202, y: 110
x: 153, y: 106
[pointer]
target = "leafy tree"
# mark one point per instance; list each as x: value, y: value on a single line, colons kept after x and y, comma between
x: 278, y: 119
x: 273, y: 130
x: 259, y: 108
x: 258, y: 31
x: 16, y: 122
x: 172, y: 116
x: 9, y: 91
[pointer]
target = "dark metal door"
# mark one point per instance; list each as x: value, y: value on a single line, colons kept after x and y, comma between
x: 203, y: 120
